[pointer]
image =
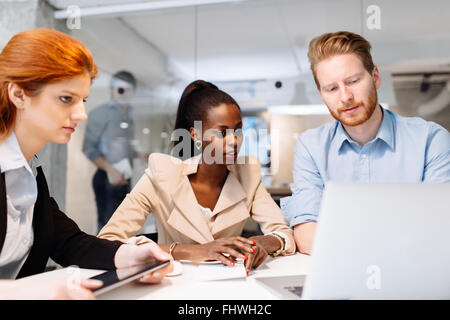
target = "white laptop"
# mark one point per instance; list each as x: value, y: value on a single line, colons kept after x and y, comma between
x: 377, y: 241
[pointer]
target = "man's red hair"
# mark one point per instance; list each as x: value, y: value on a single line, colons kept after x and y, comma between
x: 328, y: 45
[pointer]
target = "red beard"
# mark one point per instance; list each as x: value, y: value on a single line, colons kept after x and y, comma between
x: 365, y: 111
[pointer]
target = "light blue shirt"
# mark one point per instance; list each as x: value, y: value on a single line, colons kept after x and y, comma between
x: 109, y: 133
x: 404, y: 150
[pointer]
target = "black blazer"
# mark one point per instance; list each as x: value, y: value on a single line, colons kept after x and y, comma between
x: 57, y: 236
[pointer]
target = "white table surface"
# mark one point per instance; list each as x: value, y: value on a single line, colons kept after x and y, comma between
x: 187, y: 287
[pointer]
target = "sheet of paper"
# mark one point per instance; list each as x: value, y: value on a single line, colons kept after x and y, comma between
x: 210, y: 272
x: 238, y: 260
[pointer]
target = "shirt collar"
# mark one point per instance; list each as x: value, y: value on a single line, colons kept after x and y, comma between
x: 385, y: 133
x: 12, y: 157
x: 341, y: 136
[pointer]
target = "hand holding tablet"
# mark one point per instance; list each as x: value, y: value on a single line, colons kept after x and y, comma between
x: 116, y: 278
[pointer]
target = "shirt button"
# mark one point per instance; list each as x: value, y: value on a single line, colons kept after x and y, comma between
x: 364, y: 156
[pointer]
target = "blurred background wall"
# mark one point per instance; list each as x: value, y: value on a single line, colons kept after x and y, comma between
x: 254, y: 50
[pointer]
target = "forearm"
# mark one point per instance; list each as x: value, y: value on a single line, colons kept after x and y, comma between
x: 304, y: 236
x: 25, y: 290
x: 272, y: 223
x: 9, y: 290
x: 102, y: 164
x: 182, y: 251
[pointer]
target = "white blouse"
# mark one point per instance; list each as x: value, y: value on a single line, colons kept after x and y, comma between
x: 207, y: 214
x: 21, y: 195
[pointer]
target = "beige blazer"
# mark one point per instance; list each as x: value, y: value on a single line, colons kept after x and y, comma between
x: 165, y: 191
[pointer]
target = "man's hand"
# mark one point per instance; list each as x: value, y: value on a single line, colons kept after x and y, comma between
x: 115, y: 177
x: 304, y: 236
x: 129, y: 255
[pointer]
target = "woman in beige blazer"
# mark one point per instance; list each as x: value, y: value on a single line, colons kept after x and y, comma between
x: 202, y: 203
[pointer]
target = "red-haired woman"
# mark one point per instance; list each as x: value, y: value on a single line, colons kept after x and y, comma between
x: 45, y: 77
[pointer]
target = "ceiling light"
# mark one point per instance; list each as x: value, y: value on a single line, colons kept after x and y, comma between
x: 122, y: 9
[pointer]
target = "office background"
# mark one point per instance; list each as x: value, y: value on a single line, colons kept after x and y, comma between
x: 254, y: 50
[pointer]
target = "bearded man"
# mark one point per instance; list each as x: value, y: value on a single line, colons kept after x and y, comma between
x: 366, y: 143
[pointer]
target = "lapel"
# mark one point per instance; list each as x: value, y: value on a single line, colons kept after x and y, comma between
x: 230, y: 209
x: 186, y: 216
x: 42, y: 193
x: 3, y: 211
x: 232, y: 192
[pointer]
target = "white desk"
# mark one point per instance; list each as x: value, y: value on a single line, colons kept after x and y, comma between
x: 187, y: 287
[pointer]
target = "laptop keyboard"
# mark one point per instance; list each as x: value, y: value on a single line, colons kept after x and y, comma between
x: 295, y: 290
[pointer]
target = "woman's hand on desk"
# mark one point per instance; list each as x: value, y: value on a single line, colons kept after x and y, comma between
x: 225, y: 250
x: 263, y: 245
x: 129, y: 255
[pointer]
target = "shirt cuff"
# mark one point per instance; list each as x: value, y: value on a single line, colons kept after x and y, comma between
x: 93, y: 154
x: 298, y: 209
x: 302, y: 218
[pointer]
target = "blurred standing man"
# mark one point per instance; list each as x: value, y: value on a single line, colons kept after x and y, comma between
x: 107, y: 143
x: 366, y: 142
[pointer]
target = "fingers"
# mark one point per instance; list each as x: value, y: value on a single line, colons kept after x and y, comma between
x: 249, y: 263
x: 129, y: 255
x: 240, y: 243
x: 228, y: 261
x: 256, y: 259
x: 153, y: 277
x: 156, y: 252
x: 148, y: 252
x: 245, y: 241
x: 91, y: 284
x: 67, y: 290
x: 158, y: 275
x: 236, y: 248
x: 233, y: 254
x: 167, y: 269
x: 259, y: 259
x: 80, y: 294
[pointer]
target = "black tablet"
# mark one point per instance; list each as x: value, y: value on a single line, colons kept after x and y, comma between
x: 116, y: 278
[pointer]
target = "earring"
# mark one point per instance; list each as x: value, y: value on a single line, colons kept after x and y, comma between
x: 198, y: 144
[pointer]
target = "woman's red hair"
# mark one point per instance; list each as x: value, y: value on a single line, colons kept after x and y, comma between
x: 35, y: 58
